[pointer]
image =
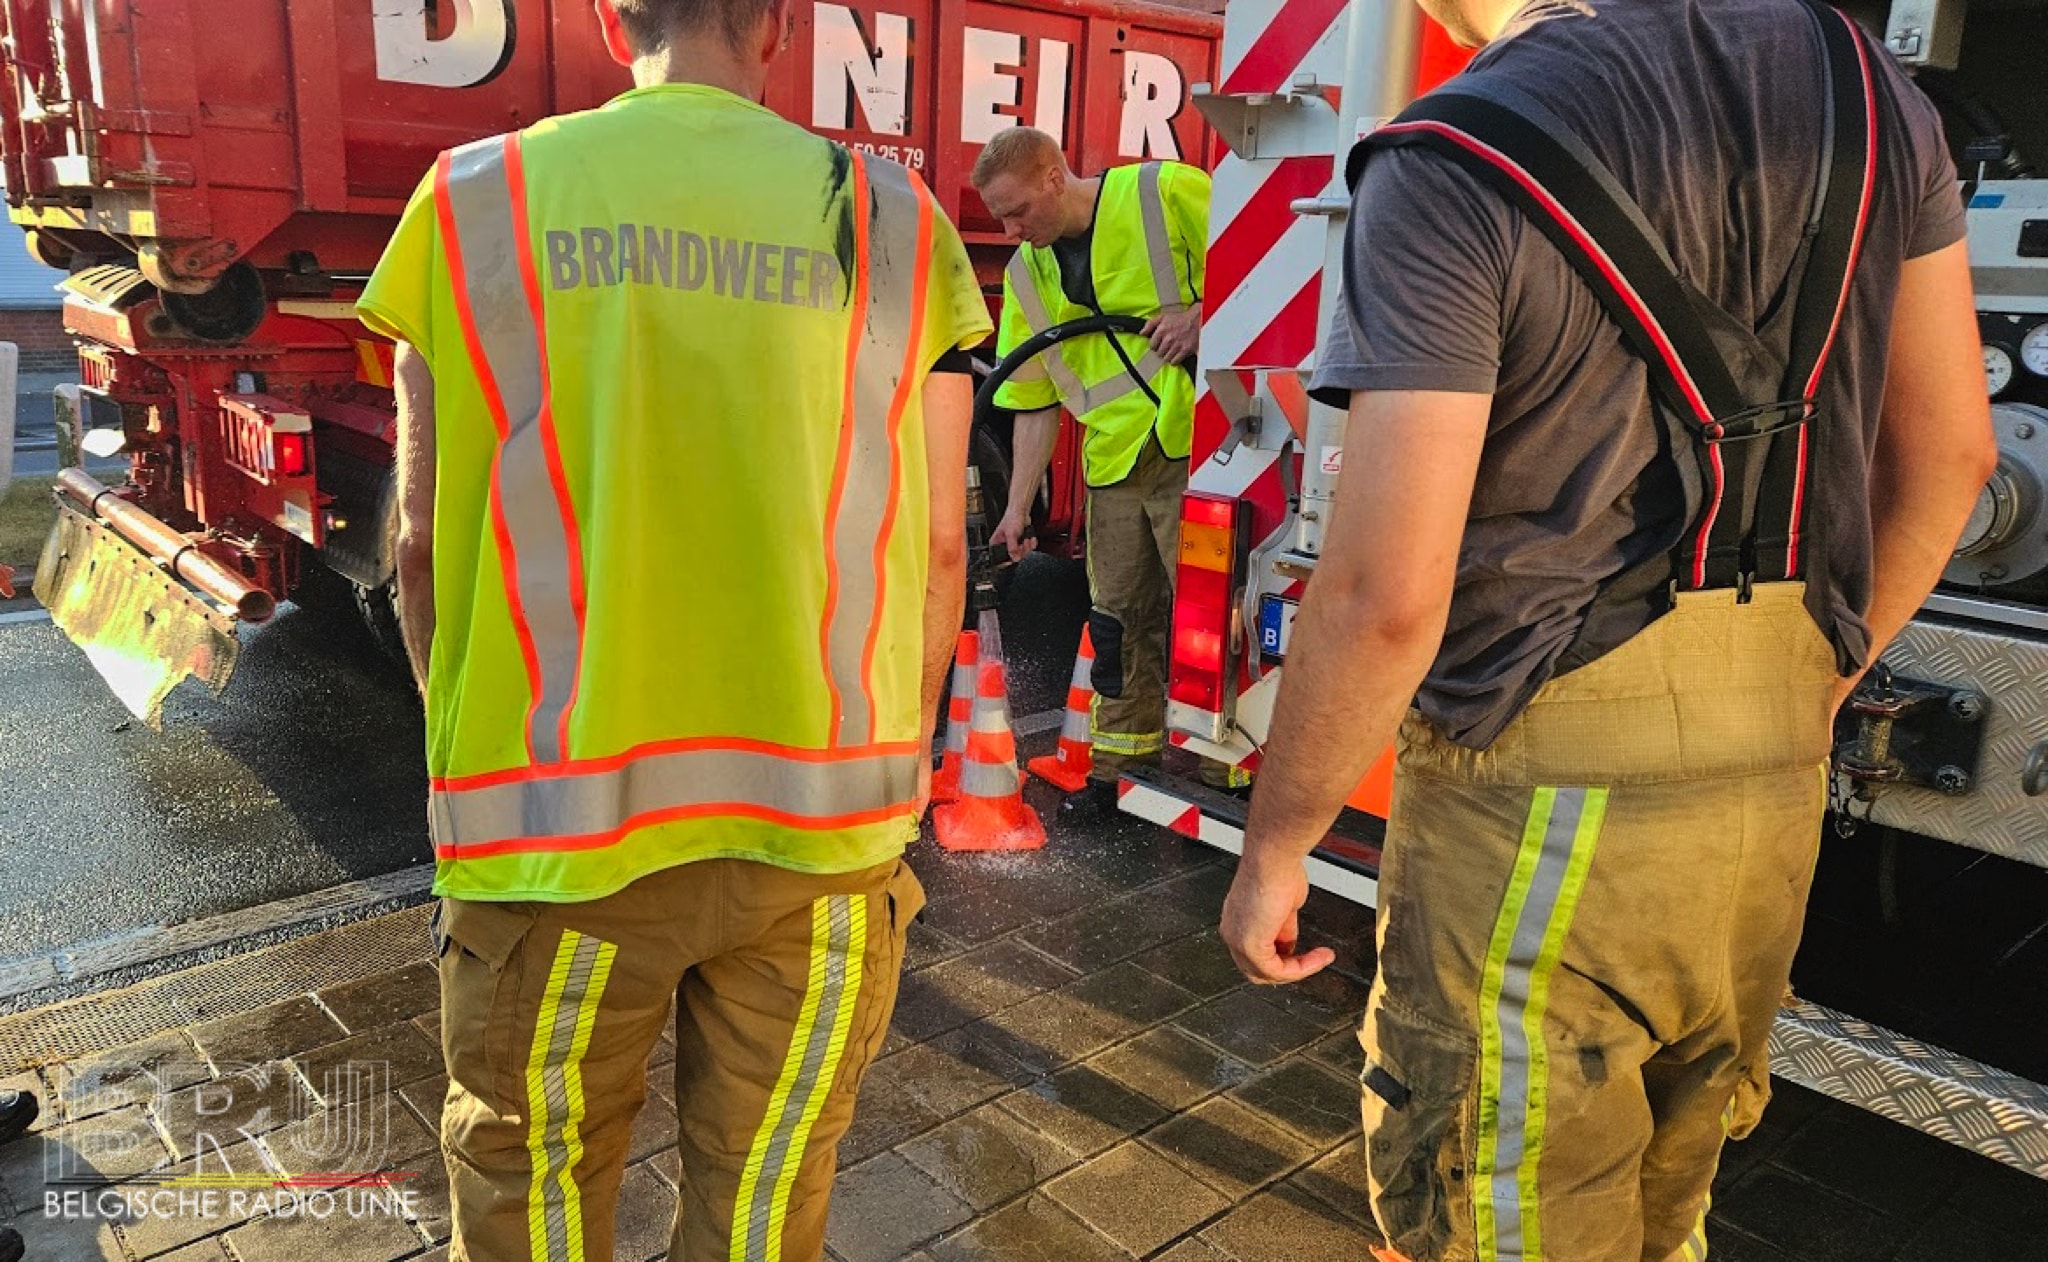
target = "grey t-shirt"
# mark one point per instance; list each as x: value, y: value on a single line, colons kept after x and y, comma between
x: 1709, y: 113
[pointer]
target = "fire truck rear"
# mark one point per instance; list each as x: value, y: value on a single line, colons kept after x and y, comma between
x: 219, y: 178
x: 1946, y: 745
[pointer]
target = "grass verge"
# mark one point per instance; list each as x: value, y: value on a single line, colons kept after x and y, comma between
x: 26, y: 515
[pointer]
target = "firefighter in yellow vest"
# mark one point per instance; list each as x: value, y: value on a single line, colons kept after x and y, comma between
x: 683, y: 430
x: 1132, y: 241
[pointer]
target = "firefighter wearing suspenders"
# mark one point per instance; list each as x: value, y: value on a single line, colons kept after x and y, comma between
x: 681, y: 561
x: 1637, y: 477
x: 1132, y: 241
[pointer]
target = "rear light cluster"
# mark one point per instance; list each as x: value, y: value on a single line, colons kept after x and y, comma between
x: 288, y: 454
x: 265, y: 437
x: 1204, y: 585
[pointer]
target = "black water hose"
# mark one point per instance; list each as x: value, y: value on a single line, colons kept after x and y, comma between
x: 985, y: 397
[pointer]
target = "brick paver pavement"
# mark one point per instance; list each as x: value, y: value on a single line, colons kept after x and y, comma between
x: 1075, y: 1072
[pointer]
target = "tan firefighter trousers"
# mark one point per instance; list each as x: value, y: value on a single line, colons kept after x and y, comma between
x: 1585, y: 932
x: 1133, y: 550
x: 782, y: 984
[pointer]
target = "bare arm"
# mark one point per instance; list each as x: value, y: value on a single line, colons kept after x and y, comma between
x: 415, y: 389
x: 1935, y: 448
x: 1031, y: 444
x: 948, y: 412
x: 1370, y: 624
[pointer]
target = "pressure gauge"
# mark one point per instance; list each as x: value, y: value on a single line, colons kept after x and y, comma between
x: 2034, y: 350
x: 1997, y: 368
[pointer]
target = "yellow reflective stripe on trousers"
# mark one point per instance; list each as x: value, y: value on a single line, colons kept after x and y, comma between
x: 1528, y: 936
x: 1695, y: 1247
x: 831, y: 993
x: 554, y: 1094
x: 1129, y: 744
x: 536, y: 521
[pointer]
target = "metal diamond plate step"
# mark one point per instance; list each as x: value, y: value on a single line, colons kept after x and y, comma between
x: 1988, y: 1111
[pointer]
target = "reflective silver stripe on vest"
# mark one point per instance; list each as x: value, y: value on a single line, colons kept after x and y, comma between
x: 871, y: 474
x: 1158, y: 241
x: 480, y: 201
x: 1037, y: 319
x: 724, y: 781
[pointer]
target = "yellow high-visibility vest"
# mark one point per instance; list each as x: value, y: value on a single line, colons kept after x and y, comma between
x: 1148, y: 256
x: 681, y: 521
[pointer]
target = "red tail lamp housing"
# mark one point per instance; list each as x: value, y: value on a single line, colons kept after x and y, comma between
x: 1206, y: 581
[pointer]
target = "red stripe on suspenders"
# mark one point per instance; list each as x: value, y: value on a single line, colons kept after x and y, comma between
x: 494, y: 402
x: 857, y: 304
x: 1848, y: 283
x: 905, y: 383
x: 1628, y: 295
x: 551, y: 448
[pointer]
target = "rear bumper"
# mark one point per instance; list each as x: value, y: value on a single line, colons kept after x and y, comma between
x: 1347, y: 864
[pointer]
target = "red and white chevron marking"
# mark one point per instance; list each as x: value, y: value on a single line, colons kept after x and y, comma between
x: 1265, y: 42
x: 1163, y: 808
x: 1265, y: 262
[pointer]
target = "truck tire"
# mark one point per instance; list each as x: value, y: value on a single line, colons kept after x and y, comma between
x: 377, y: 603
x: 378, y: 607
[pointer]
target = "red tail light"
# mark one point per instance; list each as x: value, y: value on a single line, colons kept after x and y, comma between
x: 1204, y: 584
x: 288, y: 452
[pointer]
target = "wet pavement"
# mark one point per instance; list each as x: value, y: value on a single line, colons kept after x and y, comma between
x: 1075, y: 1071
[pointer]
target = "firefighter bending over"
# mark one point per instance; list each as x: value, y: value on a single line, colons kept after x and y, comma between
x: 1132, y: 241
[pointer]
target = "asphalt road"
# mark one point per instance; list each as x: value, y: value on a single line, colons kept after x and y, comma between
x: 305, y: 774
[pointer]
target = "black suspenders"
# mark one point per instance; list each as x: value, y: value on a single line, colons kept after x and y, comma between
x: 1710, y: 374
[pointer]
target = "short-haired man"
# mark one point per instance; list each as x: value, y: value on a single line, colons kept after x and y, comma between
x: 1623, y: 652
x: 1132, y: 241
x: 681, y: 560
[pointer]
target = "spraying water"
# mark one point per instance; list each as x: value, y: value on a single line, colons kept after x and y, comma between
x: 990, y: 632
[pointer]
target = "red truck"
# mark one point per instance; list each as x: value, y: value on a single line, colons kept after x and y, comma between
x: 220, y: 178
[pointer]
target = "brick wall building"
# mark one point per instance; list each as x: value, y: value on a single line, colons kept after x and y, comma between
x: 31, y: 311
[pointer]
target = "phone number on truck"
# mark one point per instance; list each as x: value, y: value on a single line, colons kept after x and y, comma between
x: 904, y: 154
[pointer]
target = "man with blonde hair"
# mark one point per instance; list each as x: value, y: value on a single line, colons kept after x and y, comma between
x: 1132, y: 241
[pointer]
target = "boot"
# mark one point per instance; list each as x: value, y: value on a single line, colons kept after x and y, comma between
x: 1095, y: 800
x: 11, y: 1247
x: 18, y: 1110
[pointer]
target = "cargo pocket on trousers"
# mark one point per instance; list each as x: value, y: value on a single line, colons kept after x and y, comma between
x: 481, y: 969
x: 1417, y: 1087
x: 1746, y: 1106
x: 898, y: 903
x: 1106, y: 634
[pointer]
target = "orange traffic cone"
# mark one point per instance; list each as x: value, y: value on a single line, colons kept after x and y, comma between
x: 959, y: 717
x: 1069, y: 765
x: 991, y: 814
